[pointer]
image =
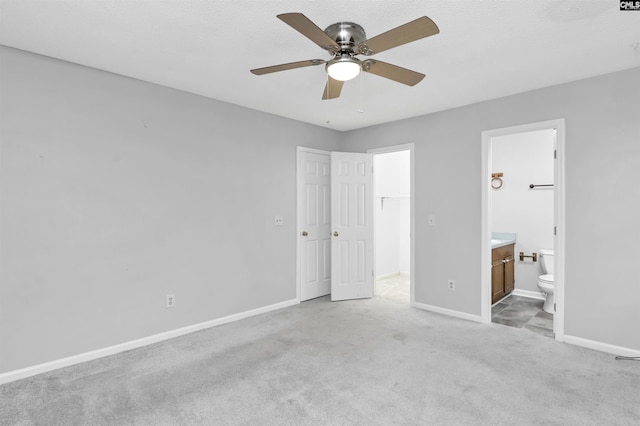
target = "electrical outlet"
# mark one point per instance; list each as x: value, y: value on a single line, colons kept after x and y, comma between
x: 278, y: 220
x: 171, y: 300
x: 452, y: 285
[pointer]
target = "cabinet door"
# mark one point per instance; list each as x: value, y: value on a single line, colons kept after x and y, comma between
x: 509, y: 274
x: 497, y: 280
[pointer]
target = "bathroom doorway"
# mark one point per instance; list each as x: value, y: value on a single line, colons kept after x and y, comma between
x: 522, y: 189
x: 393, y: 218
x: 523, y: 214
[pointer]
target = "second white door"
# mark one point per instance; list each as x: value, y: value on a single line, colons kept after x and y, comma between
x: 351, y: 226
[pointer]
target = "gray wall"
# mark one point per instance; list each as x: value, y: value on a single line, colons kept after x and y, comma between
x: 116, y: 192
x: 602, y: 198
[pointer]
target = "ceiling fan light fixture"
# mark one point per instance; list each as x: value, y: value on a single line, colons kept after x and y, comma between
x: 344, y: 41
x: 344, y: 67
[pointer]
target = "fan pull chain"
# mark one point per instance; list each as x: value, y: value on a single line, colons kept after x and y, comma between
x: 361, y: 107
x: 326, y: 87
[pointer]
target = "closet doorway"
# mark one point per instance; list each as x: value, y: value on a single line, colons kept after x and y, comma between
x: 393, y: 219
x: 314, y: 248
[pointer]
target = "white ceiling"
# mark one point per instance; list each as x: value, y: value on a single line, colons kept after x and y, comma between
x: 486, y: 49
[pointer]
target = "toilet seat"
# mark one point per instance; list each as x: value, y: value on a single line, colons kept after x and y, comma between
x: 547, y: 279
x: 545, y: 284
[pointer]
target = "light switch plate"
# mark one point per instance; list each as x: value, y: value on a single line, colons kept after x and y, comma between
x: 431, y: 219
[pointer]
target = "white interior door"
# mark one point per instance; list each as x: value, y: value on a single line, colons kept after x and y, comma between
x: 351, y: 225
x: 314, y: 219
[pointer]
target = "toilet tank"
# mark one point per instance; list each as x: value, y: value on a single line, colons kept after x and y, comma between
x: 546, y: 261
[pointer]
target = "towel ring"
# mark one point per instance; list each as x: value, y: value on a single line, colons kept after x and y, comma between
x: 496, y: 182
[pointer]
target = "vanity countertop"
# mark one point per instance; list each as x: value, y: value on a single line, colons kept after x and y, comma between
x: 501, y: 239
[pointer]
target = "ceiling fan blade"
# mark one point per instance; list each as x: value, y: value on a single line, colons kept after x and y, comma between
x: 332, y: 89
x: 392, y: 72
x: 289, y: 66
x: 310, y: 30
x: 412, y: 31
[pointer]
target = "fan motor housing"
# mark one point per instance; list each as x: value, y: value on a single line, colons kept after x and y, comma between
x: 346, y: 34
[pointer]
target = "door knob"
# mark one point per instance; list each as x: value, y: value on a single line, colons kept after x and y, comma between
x: 305, y: 233
x: 335, y: 234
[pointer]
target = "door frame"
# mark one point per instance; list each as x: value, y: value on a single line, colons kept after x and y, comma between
x: 412, y: 244
x: 412, y: 240
x: 299, y: 198
x: 559, y: 216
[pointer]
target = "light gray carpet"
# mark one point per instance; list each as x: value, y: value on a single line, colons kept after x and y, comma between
x: 366, y: 362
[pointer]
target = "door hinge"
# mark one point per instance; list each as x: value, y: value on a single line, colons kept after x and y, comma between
x: 555, y: 230
x: 554, y: 307
x: 555, y: 154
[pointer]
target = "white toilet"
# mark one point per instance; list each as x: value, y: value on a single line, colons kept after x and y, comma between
x: 545, y: 282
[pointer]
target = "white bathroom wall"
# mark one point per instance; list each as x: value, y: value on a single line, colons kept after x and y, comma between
x: 392, y: 210
x: 524, y: 158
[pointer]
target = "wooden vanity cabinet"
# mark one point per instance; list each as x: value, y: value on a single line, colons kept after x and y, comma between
x: 502, y: 272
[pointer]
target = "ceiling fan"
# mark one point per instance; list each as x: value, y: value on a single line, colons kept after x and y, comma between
x: 344, y: 41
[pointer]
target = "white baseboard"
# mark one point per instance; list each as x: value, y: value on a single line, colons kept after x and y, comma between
x: 23, y: 373
x: 600, y: 346
x: 385, y: 276
x: 449, y: 312
x: 391, y: 275
x: 528, y: 293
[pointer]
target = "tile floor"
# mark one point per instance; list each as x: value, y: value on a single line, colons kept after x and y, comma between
x: 523, y: 312
x: 514, y: 311
x: 395, y: 288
